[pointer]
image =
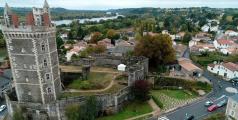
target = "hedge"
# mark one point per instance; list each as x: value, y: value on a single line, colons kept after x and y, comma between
x: 158, y: 102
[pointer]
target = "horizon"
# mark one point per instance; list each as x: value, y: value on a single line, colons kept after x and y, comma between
x: 123, y: 4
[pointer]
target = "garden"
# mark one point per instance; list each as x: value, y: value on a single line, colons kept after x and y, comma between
x: 172, y: 92
x: 209, y: 57
x: 131, y: 109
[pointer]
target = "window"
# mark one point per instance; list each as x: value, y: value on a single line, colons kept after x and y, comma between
x: 45, y: 62
x: 43, y: 47
x: 234, y: 105
x: 29, y: 93
x: 47, y: 76
x: 232, y: 113
x: 48, y: 90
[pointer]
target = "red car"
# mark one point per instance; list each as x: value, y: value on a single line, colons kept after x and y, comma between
x: 212, y: 108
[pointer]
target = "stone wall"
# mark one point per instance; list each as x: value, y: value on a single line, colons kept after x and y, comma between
x: 56, y: 110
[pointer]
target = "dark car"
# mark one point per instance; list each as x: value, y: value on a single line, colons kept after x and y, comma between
x: 191, y: 117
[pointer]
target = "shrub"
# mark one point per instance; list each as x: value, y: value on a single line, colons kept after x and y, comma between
x: 85, y: 85
x: 158, y: 102
x: 141, y: 90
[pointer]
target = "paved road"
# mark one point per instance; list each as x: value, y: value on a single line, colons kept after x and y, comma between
x: 197, y: 108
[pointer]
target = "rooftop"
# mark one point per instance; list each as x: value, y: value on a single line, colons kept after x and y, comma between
x: 234, y: 97
x: 231, y: 66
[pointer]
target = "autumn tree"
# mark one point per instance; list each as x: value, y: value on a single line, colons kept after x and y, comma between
x: 157, y: 48
x: 141, y: 90
x: 96, y: 37
x: 187, y: 37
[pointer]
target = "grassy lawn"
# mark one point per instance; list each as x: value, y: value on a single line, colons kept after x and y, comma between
x: 178, y: 94
x: 130, y: 110
x: 3, y: 53
x: 172, y: 98
x: 115, y: 88
x: 204, y: 60
x: 95, y: 81
x: 216, y: 116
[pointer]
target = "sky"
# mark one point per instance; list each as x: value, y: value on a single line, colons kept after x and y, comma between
x: 115, y: 4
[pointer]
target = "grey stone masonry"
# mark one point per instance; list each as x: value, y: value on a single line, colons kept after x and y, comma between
x: 34, y: 60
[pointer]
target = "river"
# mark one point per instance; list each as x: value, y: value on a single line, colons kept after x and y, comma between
x: 67, y: 22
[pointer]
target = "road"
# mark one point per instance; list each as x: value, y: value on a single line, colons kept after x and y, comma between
x: 197, y: 108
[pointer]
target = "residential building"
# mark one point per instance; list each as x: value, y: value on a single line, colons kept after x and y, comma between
x: 33, y: 56
x: 226, y: 46
x: 188, y: 68
x: 231, y: 33
x: 228, y: 70
x: 232, y: 108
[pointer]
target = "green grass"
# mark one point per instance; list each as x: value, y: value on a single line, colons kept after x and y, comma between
x: 209, y: 58
x: 216, y: 116
x: 95, y: 81
x: 3, y: 53
x: 130, y: 110
x: 177, y: 94
x: 171, y: 98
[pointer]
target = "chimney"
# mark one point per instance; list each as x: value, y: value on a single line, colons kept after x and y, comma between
x: 30, y: 19
x: 15, y: 21
x: 46, y: 19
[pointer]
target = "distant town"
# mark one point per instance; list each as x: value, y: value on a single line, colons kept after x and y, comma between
x: 121, y: 64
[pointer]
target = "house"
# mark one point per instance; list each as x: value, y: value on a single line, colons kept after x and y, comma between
x: 76, y: 48
x: 232, y: 107
x: 122, y: 47
x: 226, y: 46
x: 198, y: 47
x: 106, y: 42
x: 223, y: 44
x: 5, y: 81
x: 231, y: 33
x: 64, y: 36
x: 188, y: 68
x: 228, y: 70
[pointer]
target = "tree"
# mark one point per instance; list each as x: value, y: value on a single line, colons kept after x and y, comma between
x: 87, y: 111
x: 18, y: 115
x: 59, y: 42
x: 157, y: 48
x: 111, y: 34
x: 72, y: 112
x: 141, y: 90
x: 187, y: 37
x: 96, y: 37
x: 2, y: 40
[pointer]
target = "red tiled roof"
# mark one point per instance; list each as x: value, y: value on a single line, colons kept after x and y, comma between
x: 225, y: 41
x: 231, y: 66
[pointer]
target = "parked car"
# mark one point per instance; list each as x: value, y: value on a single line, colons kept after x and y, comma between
x: 212, y: 108
x: 2, y: 108
x: 191, y: 117
x: 222, y: 103
x: 208, y: 103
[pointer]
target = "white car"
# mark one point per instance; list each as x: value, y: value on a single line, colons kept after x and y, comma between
x: 163, y: 118
x: 2, y: 108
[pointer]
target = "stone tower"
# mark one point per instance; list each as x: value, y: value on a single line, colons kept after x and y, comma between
x: 33, y: 55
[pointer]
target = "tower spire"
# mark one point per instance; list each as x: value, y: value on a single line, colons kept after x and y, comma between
x: 46, y: 5
x: 7, y: 9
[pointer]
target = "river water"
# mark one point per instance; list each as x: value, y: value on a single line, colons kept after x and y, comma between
x: 67, y: 22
